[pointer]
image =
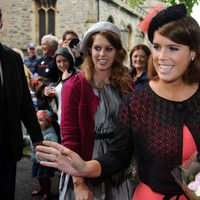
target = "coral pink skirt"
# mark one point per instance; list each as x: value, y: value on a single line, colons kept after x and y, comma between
x: 144, y: 192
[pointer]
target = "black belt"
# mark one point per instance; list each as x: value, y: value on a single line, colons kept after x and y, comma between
x: 103, y: 136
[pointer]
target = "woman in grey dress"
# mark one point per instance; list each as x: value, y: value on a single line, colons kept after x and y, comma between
x: 90, y: 102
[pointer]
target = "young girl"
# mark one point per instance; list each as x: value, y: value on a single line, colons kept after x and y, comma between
x: 44, y: 174
x: 65, y: 63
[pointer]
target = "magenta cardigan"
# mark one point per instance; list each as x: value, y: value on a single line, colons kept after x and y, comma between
x: 79, y: 105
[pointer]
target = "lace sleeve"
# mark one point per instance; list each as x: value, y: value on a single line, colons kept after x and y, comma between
x: 120, y: 152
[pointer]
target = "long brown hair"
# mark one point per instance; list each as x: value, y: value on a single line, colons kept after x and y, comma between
x: 119, y: 74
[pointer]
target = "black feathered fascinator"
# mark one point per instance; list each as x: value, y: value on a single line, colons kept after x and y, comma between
x: 165, y: 16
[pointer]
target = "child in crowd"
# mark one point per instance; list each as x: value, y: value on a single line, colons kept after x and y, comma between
x: 43, y: 174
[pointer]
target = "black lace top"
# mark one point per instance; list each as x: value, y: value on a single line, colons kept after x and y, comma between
x: 152, y: 127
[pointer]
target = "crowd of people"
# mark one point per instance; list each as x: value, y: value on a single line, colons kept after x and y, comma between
x: 98, y: 121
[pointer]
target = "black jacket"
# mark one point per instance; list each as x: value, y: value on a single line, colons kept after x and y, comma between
x: 152, y: 128
x: 18, y: 103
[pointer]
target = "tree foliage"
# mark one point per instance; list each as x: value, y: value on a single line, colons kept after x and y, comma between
x: 188, y: 3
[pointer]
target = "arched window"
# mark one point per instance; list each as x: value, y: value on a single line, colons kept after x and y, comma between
x: 45, y: 17
x: 110, y: 19
x: 51, y: 21
x: 42, y: 23
x: 130, y: 37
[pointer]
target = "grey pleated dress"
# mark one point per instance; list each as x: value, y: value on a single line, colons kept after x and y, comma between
x: 116, y: 187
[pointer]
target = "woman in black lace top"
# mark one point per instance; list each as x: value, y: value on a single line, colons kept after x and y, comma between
x: 159, y: 123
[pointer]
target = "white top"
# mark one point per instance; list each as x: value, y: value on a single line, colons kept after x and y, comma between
x: 58, y: 95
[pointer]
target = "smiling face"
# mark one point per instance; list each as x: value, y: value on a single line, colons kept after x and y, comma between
x: 139, y: 60
x: 62, y: 63
x: 47, y: 48
x: 103, y: 53
x: 170, y: 59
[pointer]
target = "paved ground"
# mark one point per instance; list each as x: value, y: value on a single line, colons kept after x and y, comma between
x: 25, y: 184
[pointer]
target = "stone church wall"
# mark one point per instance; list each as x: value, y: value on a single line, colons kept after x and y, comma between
x: 20, y: 22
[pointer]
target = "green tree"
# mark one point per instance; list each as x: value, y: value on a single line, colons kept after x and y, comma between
x: 188, y: 3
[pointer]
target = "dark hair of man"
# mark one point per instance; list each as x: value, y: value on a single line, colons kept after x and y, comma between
x: 67, y: 33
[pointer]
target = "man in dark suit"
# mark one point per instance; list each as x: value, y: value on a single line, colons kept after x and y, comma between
x: 16, y: 106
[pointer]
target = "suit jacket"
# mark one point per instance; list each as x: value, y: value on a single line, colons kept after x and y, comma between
x: 18, y: 103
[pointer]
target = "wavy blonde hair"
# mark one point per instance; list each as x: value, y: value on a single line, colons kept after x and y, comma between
x: 119, y: 74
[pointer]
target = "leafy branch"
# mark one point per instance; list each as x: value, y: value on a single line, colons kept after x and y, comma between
x: 188, y: 3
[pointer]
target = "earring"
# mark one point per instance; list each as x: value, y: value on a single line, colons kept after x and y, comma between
x: 192, y: 58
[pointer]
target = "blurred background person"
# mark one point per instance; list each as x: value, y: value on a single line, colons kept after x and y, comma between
x: 70, y: 40
x: 42, y: 173
x: 139, y: 56
x: 65, y: 63
x: 31, y: 84
x: 46, y: 66
x: 26, y: 69
x: 60, y: 43
x: 32, y: 59
x: 67, y: 37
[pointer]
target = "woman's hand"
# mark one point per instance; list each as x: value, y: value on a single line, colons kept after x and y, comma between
x: 49, y: 91
x: 66, y: 160
x: 61, y: 158
x: 82, y: 191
